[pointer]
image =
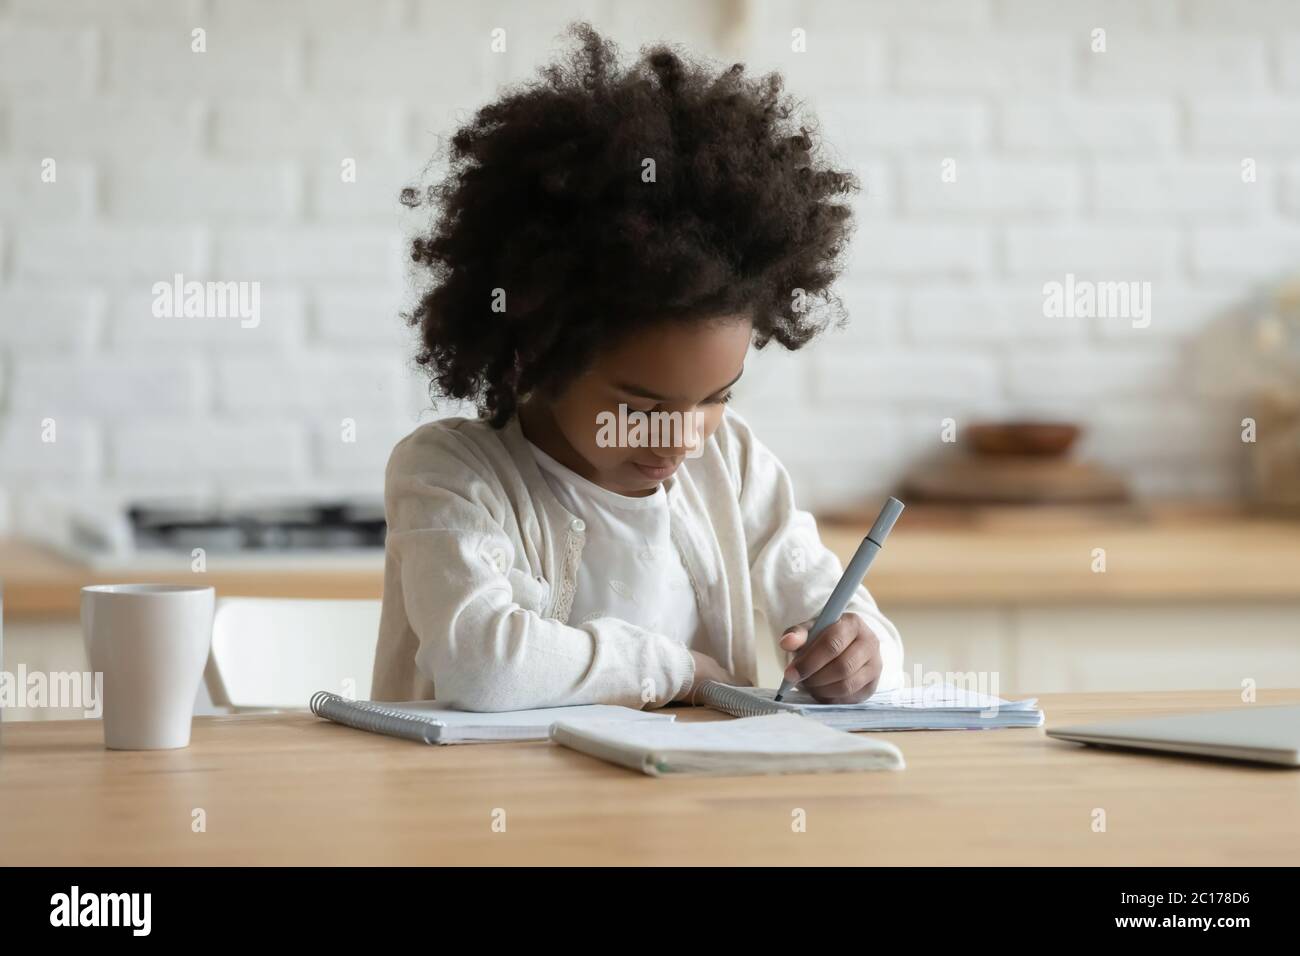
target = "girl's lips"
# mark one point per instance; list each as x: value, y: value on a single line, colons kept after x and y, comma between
x: 656, y: 472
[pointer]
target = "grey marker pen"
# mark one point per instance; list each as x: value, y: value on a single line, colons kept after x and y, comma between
x: 850, y: 580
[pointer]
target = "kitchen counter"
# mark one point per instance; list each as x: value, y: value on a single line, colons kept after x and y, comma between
x: 936, y: 556
x: 1047, y: 555
x: 39, y: 582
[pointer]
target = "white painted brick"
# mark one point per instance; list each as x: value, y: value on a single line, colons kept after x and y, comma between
x: 944, y: 287
x: 162, y: 447
x: 1288, y: 57
x: 1176, y: 64
x: 25, y: 453
x: 877, y: 196
x: 1090, y: 374
x: 1240, y: 15
x: 535, y: 32
x: 1108, y: 14
x: 907, y: 250
x: 188, y: 191
x: 1176, y: 313
x: 858, y: 15
x: 27, y: 195
x: 373, y: 195
x: 835, y: 457
x: 319, y: 386
x: 44, y: 60
x: 900, y: 376
x: 131, y: 127
x: 834, y: 61
x: 1116, y: 254
x: 1072, y: 125
x: 335, y: 128
x: 80, y: 12
x: 867, y: 123
x: 1242, y: 127
x: 39, y: 316
x: 280, y: 322
x: 373, y: 438
x: 353, y: 316
x: 107, y: 384
x: 821, y: 438
x: 310, y: 253
x: 386, y: 64
x: 106, y: 253
x: 953, y: 316
x: 1173, y: 190
x: 872, y: 318
x: 258, y: 15
x: 1291, y: 191
x: 430, y: 127
x: 984, y: 186
x: 1246, y: 253
x: 997, y: 63
x: 237, y: 62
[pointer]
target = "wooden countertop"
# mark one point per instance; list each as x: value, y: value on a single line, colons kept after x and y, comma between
x: 935, y: 556
x: 291, y: 789
x: 1046, y: 555
x: 41, y: 583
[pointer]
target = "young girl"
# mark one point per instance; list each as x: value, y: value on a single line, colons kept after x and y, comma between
x: 609, y: 243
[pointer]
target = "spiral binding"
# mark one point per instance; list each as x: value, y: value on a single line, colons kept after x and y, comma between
x: 366, y: 715
x: 735, y: 702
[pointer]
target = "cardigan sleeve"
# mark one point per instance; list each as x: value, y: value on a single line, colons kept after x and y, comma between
x: 483, y: 639
x: 791, y: 571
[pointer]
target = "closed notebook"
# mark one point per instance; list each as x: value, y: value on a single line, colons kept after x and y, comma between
x: 433, y: 723
x: 779, y: 743
x: 926, y: 707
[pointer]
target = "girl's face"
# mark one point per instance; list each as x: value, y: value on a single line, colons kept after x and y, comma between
x: 644, y: 405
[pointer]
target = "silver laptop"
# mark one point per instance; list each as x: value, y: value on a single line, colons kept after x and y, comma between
x: 1248, y: 732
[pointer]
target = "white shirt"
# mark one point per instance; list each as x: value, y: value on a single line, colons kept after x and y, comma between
x: 630, y: 567
x: 482, y: 564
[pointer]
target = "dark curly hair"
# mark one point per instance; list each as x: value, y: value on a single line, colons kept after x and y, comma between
x: 546, y: 200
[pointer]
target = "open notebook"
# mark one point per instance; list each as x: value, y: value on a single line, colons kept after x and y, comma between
x: 433, y: 723
x: 927, y: 707
x: 779, y: 743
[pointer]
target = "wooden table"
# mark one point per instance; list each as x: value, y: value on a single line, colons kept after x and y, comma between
x: 288, y: 788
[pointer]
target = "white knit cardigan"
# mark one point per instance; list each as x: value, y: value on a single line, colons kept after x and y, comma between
x: 482, y: 562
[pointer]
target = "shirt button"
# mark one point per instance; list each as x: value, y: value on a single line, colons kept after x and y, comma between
x: 578, y: 524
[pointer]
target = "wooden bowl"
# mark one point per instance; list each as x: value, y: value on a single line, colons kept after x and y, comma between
x: 1037, y: 439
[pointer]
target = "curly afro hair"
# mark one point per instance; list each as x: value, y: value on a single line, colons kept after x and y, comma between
x: 549, y: 198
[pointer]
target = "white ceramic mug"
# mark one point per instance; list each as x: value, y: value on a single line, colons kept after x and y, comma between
x: 150, y: 641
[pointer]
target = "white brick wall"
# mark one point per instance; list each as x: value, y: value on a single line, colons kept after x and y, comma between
x: 225, y: 165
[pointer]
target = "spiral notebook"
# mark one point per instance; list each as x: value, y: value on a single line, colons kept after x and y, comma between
x: 777, y: 743
x: 924, y: 707
x: 433, y: 723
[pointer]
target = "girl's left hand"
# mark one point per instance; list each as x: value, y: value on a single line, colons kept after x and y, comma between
x: 842, y: 666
